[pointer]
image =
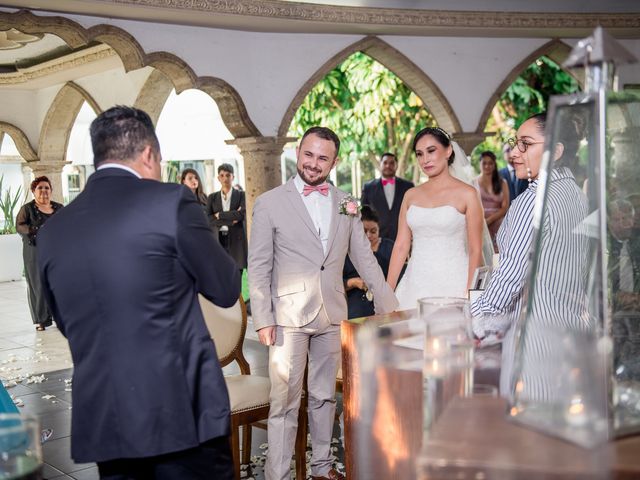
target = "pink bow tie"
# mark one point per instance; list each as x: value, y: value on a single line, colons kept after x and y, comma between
x: 390, y: 181
x: 322, y: 189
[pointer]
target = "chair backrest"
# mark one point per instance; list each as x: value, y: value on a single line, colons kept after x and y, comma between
x: 227, y: 327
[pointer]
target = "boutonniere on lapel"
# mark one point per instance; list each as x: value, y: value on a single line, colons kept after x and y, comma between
x: 349, y: 206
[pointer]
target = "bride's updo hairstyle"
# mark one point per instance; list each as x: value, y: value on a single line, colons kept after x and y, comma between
x: 440, y: 135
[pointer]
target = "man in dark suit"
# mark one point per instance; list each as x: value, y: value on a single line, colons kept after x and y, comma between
x: 516, y: 185
x: 385, y: 195
x: 226, y: 212
x: 121, y: 271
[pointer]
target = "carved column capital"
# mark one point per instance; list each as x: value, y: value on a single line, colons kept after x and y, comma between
x: 262, y: 170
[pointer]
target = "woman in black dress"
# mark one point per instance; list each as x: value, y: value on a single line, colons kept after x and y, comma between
x: 359, y: 299
x: 30, y: 219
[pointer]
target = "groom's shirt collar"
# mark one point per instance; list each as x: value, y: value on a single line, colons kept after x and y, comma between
x: 319, y: 209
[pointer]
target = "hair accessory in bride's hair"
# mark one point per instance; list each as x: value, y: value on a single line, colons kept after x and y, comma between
x: 443, y: 131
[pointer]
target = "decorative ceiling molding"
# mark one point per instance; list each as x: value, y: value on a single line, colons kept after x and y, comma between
x: 65, y: 62
x: 232, y: 108
x: 285, y: 16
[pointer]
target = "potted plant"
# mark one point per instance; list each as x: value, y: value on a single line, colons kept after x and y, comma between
x: 11, y: 264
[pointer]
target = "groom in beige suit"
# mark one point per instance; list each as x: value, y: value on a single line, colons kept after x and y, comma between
x: 298, y: 245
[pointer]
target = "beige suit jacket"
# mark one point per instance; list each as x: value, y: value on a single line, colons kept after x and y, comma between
x: 290, y: 277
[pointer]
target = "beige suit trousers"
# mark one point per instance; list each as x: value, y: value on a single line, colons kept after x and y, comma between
x: 320, y: 342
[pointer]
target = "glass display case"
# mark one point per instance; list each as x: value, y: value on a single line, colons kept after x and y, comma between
x: 577, y: 357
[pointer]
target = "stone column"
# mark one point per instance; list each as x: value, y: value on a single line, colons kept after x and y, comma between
x: 209, y: 176
x: 53, y: 171
x: 261, y: 166
x: 470, y: 140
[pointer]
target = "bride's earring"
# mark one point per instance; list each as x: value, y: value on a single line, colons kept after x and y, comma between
x: 529, y: 179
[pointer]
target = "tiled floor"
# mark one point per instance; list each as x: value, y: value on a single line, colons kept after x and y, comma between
x: 36, y: 368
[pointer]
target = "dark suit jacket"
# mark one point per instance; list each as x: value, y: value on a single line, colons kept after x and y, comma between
x: 122, y: 266
x: 373, y: 195
x: 515, y: 188
x: 234, y: 219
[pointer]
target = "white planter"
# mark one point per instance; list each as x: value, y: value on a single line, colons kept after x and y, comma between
x: 11, y: 263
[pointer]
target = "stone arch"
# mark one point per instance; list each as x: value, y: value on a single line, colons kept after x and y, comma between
x: 21, y: 141
x: 153, y: 95
x: 556, y: 50
x: 399, y: 64
x: 232, y: 108
x: 56, y: 128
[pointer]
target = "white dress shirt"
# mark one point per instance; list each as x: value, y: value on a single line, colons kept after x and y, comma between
x: 226, y: 206
x: 389, y: 191
x: 319, y: 208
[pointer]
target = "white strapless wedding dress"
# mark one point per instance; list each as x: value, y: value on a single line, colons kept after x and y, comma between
x: 439, y: 261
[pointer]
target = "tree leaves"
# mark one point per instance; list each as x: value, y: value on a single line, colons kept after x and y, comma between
x: 370, y: 109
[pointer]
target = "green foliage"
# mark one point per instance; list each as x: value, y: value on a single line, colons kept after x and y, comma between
x: 373, y: 111
x: 527, y: 95
x: 172, y: 171
x: 370, y: 109
x: 8, y: 203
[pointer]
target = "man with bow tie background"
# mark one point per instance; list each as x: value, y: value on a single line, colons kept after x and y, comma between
x: 299, y: 241
x: 385, y: 195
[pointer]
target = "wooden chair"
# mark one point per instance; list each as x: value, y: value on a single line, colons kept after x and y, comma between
x: 248, y: 394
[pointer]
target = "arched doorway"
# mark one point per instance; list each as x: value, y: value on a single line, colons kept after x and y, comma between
x: 372, y: 110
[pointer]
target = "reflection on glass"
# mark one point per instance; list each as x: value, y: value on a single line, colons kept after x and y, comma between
x: 577, y: 358
x: 448, y: 354
x: 20, y: 452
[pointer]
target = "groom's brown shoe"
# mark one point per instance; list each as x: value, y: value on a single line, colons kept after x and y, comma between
x: 332, y: 475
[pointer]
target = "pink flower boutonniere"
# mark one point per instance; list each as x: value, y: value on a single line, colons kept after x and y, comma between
x: 349, y: 206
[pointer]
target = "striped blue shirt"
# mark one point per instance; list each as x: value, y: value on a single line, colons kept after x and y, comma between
x: 558, y: 298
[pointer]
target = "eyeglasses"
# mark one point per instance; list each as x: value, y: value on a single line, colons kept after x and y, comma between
x: 521, y: 144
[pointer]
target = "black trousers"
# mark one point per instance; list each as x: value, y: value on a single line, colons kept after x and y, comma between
x: 210, y: 460
x: 40, y: 313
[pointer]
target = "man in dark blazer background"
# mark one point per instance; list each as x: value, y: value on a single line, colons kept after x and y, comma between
x: 122, y: 269
x: 226, y: 212
x: 516, y: 185
x: 385, y: 195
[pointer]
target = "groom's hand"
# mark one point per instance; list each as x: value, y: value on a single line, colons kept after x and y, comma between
x: 267, y: 335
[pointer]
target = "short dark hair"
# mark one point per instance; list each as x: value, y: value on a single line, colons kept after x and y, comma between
x: 368, y: 213
x: 226, y: 167
x: 440, y: 135
x: 121, y: 133
x: 324, y: 133
x: 388, y: 154
x: 38, y: 180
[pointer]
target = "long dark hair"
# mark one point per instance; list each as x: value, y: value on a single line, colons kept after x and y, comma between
x: 496, y: 180
x: 200, y: 195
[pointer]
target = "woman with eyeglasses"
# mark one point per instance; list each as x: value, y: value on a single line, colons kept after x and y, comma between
x: 559, y: 288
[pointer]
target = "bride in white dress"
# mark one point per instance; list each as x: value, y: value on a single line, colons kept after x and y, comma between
x: 441, y: 223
